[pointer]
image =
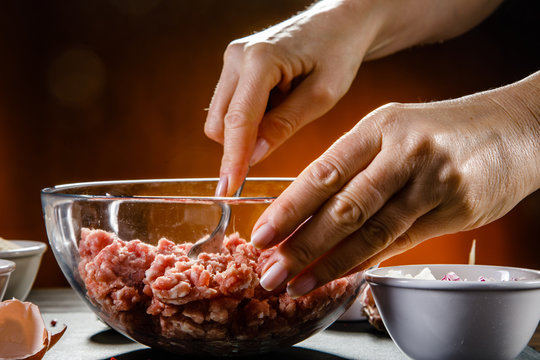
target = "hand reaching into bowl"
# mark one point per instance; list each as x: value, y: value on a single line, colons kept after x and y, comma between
x: 403, y: 174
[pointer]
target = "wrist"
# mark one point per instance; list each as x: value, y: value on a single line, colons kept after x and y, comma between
x: 357, y: 22
x: 406, y: 23
x: 527, y: 97
x: 520, y: 106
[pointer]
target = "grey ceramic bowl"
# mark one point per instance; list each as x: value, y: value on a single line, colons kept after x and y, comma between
x: 6, y: 268
x: 433, y: 319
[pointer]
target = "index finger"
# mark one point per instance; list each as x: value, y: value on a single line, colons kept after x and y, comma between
x: 213, y: 126
x: 242, y: 120
x: 316, y: 184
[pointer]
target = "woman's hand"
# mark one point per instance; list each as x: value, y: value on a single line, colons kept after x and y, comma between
x: 405, y: 173
x: 306, y: 63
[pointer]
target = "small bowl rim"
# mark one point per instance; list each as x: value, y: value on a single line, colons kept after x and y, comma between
x: 28, y: 248
x: 374, y: 277
x: 57, y: 190
x: 6, y: 266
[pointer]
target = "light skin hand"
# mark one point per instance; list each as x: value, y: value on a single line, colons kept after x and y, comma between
x: 405, y: 173
x: 309, y: 62
x: 306, y: 72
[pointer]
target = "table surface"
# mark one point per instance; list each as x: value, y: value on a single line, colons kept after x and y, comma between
x: 89, y: 338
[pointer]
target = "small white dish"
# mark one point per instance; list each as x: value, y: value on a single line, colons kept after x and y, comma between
x: 27, y: 259
x: 6, y: 269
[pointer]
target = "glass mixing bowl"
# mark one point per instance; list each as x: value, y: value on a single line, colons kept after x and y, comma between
x: 122, y: 246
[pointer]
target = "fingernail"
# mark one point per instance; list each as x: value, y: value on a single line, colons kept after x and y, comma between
x: 274, y: 276
x: 261, y: 148
x: 221, y: 188
x: 303, y: 285
x: 263, y: 236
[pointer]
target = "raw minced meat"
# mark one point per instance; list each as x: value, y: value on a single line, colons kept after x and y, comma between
x: 216, y: 296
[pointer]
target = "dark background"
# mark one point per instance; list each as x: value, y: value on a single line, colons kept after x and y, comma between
x: 116, y: 89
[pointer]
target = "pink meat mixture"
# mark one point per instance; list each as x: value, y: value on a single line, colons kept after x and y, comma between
x: 214, y: 296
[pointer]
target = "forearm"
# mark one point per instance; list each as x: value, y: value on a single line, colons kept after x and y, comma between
x: 387, y: 26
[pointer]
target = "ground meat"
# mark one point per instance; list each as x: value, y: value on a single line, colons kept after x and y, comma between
x: 215, y: 297
x: 113, y: 270
x: 369, y: 308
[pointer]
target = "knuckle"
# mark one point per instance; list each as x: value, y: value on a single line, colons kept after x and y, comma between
x: 258, y: 50
x: 450, y: 180
x: 233, y: 49
x: 285, y: 126
x: 213, y: 132
x: 467, y: 206
x: 376, y: 234
x: 442, y: 180
x: 334, y: 267
x: 285, y: 209
x: 299, y: 251
x: 392, y: 109
x: 373, y: 187
x: 419, y: 144
x: 404, y: 242
x: 324, y: 172
x: 387, y: 120
x: 389, y: 113
x: 235, y: 119
x: 324, y: 93
x: 346, y: 211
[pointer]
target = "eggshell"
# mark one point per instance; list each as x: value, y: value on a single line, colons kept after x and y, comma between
x: 23, y: 334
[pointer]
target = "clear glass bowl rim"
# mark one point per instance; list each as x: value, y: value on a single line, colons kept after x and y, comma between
x: 59, y: 190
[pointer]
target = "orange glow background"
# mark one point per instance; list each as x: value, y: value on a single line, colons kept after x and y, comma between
x: 116, y: 89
